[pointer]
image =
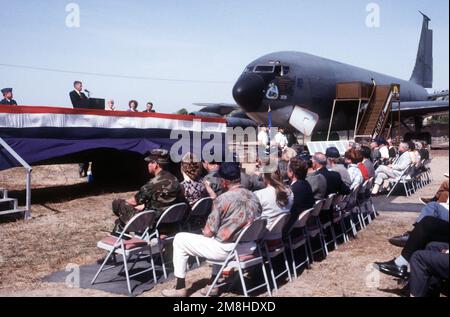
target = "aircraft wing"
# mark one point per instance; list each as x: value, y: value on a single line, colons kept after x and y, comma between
x: 423, y: 108
x: 222, y: 109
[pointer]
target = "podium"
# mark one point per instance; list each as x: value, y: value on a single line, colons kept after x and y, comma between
x: 96, y: 104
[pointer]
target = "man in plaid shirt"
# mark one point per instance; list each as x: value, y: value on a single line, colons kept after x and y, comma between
x: 231, y: 213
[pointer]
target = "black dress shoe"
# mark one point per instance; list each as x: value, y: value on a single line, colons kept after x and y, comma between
x: 400, y: 241
x: 392, y: 269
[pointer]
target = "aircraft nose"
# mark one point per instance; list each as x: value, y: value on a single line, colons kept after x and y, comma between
x: 249, y: 91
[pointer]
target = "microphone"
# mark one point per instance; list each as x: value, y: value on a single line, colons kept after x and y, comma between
x: 88, y: 93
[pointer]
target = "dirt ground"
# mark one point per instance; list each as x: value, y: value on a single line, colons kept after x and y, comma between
x: 69, y: 217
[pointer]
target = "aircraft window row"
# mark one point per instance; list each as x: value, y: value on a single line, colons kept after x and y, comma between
x: 264, y: 69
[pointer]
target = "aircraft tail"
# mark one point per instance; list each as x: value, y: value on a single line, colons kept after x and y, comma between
x: 423, y: 71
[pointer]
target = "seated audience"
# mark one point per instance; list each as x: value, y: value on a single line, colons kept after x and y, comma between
x: 375, y: 148
x: 275, y: 199
x: 423, y: 151
x: 415, y: 156
x: 352, y: 160
x: 428, y: 230
x: 317, y: 181
x: 392, y: 149
x: 161, y: 192
x: 362, y: 167
x: 429, y: 269
x: 441, y: 195
x: 336, y: 164
x: 303, y: 195
x: 335, y: 185
x: 192, y: 187
x: 365, y: 152
x: 212, y: 180
x: 253, y: 181
x: 384, y: 150
x: 133, y: 106
x: 394, y: 170
x: 231, y: 213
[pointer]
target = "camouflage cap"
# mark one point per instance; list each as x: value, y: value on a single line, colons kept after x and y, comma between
x: 159, y: 156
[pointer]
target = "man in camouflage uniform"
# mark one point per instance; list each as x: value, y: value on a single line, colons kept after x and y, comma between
x: 161, y: 192
x: 231, y: 213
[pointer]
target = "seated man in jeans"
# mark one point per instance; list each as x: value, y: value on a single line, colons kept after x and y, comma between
x: 434, y: 210
x: 231, y: 213
x: 161, y: 192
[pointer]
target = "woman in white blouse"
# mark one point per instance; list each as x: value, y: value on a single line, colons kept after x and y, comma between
x: 275, y: 199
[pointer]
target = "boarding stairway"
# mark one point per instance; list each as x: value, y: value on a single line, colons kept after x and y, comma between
x: 377, y: 113
x: 10, y: 206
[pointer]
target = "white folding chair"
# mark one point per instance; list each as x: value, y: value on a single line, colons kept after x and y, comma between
x: 314, y: 230
x: 254, y: 232
x: 402, y: 179
x: 328, y: 209
x: 275, y: 247
x: 127, y: 246
x: 349, y: 212
x: 299, y: 240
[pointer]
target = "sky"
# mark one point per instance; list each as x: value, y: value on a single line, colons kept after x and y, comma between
x: 179, y: 52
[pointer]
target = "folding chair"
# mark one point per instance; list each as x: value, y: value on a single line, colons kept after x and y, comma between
x: 365, y: 202
x: 349, y: 212
x: 196, y: 219
x: 127, y: 246
x: 174, y: 216
x: 299, y: 240
x: 254, y: 232
x: 314, y: 230
x: 328, y: 208
x: 275, y: 247
x: 339, y: 204
x: 402, y: 179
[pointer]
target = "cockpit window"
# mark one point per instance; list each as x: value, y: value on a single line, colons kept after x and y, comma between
x: 248, y: 69
x: 266, y: 69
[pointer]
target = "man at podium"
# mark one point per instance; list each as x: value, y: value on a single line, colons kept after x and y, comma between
x: 78, y: 98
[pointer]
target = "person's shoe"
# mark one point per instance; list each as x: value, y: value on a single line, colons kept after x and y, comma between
x: 426, y: 201
x: 174, y: 293
x: 400, y: 241
x: 214, y: 292
x: 392, y: 269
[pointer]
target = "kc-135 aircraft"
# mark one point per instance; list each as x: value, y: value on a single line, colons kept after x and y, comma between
x: 295, y: 84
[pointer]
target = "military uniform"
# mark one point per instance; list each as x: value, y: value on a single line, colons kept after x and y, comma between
x: 7, y: 102
x: 161, y: 192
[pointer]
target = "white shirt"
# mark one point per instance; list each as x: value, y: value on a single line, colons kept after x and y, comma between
x: 270, y: 209
x: 384, y: 151
x: 281, y: 140
x: 263, y: 138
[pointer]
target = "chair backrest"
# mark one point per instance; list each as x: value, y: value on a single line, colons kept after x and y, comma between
x: 253, y: 232
x: 303, y: 219
x: 202, y: 208
x: 329, y: 202
x: 317, y: 208
x: 275, y: 231
x: 174, y: 214
x: 140, y: 223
